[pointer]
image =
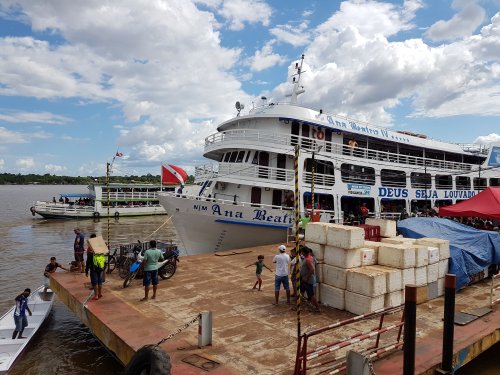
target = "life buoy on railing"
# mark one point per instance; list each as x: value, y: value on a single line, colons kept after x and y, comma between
x: 117, y: 215
x: 96, y: 214
x: 32, y: 209
x: 149, y: 357
x: 320, y: 134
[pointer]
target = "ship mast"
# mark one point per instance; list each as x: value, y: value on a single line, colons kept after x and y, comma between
x: 297, y: 89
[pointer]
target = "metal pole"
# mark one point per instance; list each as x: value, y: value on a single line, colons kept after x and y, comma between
x: 297, y: 239
x: 107, y: 193
x: 410, y: 312
x: 449, y: 321
x: 312, y: 185
x: 425, y: 179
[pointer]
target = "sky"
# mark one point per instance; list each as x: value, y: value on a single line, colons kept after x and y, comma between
x: 80, y: 80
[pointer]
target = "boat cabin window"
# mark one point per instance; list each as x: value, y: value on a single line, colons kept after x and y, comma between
x: 358, y: 174
x: 322, y: 166
x: 444, y: 182
x: 421, y: 180
x: 494, y: 181
x: 479, y: 183
x: 443, y: 202
x: 436, y: 155
x: 322, y: 201
x: 420, y: 207
x: 239, y: 158
x: 354, y: 145
x: 295, y: 133
x: 473, y: 159
x: 409, y: 154
x: 248, y: 156
x: 234, y: 154
x: 306, y: 142
x: 462, y: 182
x: 351, y: 208
x: 256, y: 195
x: 391, y: 177
x: 388, y: 205
x: 227, y: 156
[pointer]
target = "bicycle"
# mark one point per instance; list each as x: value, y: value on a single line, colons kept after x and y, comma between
x: 136, y: 267
x: 124, y: 262
x: 111, y: 262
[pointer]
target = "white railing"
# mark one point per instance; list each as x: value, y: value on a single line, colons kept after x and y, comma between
x: 255, y: 171
x: 130, y: 196
x: 61, y: 207
x: 237, y: 137
x: 319, y: 179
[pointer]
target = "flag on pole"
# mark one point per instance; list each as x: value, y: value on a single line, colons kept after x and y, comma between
x: 172, y: 175
x: 119, y: 154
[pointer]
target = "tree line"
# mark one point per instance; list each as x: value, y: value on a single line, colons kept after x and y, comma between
x: 48, y: 179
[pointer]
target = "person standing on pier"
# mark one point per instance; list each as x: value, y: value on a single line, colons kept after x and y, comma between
x: 20, y: 313
x: 51, y: 268
x: 259, y: 267
x: 151, y: 258
x: 282, y: 261
x: 78, y: 249
x: 95, y: 265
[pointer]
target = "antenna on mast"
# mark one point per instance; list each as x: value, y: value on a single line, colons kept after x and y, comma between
x: 239, y: 106
x: 297, y: 89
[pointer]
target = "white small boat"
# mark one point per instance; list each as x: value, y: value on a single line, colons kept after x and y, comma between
x: 10, y: 349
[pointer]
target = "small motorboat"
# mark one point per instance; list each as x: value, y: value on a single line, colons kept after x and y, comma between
x: 40, y: 304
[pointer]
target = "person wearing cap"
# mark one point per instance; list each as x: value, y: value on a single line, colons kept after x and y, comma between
x: 78, y: 249
x: 282, y: 261
x: 20, y: 319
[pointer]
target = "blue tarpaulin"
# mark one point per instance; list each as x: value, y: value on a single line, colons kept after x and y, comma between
x: 472, y: 250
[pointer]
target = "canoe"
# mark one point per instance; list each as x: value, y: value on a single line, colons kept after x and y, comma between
x: 11, y: 349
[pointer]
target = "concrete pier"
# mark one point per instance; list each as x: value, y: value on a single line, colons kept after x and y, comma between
x: 250, y: 335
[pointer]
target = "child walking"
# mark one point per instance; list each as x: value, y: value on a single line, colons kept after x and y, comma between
x: 259, y: 266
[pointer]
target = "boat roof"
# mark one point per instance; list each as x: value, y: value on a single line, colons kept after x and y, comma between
x: 76, y: 195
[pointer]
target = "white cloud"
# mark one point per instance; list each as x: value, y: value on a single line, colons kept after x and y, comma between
x: 2, y: 163
x: 54, y: 169
x: 470, y: 15
x: 8, y: 136
x: 239, y: 12
x: 34, y: 117
x: 487, y: 139
x: 296, y: 35
x: 265, y: 58
x: 25, y: 163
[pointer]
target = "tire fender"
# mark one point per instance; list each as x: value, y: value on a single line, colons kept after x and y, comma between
x: 117, y: 215
x: 149, y: 357
x: 96, y: 215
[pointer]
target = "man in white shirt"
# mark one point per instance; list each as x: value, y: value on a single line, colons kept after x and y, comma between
x: 282, y: 261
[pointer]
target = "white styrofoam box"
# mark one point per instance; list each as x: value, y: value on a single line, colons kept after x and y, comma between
x: 394, y: 278
x: 432, y: 290
x: 433, y: 254
x: 408, y: 276
x: 334, y: 276
x: 331, y: 296
x: 368, y: 281
x: 399, y: 256
x: 344, y: 236
x: 318, y: 250
x: 343, y: 258
x: 360, y: 304
x: 315, y: 232
x: 440, y: 283
x: 387, y: 227
x: 432, y: 272
x: 421, y: 255
x: 368, y: 257
x: 319, y: 272
x: 442, y: 245
x: 421, y: 275
x: 372, y: 244
x: 398, y: 240
x: 393, y: 299
x: 443, y: 268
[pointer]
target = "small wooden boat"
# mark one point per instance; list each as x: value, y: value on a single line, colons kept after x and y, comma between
x: 40, y: 305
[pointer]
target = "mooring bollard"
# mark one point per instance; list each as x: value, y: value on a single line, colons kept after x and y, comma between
x: 449, y: 321
x: 410, y: 329
x: 205, y: 329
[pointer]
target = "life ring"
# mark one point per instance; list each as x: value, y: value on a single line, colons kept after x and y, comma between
x: 320, y: 134
x: 32, y: 209
x: 149, y: 357
x: 117, y: 215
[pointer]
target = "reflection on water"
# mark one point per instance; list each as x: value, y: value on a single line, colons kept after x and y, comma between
x: 63, y: 345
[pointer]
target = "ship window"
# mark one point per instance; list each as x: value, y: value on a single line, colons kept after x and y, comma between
x: 227, y: 156
x: 479, y: 183
x: 391, y: 177
x: 322, y: 167
x: 240, y: 157
x: 234, y: 154
x: 255, y: 157
x: 421, y: 180
x: 494, y: 181
x: 277, y: 197
x: 444, y: 182
x: 248, y: 156
x: 295, y: 133
x: 256, y: 195
x: 357, y: 174
x: 463, y: 183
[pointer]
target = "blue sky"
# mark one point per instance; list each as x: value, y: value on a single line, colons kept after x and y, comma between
x: 79, y: 80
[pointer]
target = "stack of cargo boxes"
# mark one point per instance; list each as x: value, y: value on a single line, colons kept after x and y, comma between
x: 362, y: 276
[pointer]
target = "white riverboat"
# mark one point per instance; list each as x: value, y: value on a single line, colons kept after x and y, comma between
x: 123, y: 200
x: 40, y: 304
x: 246, y: 199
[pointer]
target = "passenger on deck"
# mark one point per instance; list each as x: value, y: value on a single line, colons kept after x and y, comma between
x: 20, y: 313
x: 352, y: 146
x: 363, y: 213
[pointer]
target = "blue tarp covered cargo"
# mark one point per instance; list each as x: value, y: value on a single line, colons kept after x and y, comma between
x: 472, y: 250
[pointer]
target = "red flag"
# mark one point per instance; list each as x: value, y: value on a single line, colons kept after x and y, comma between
x: 173, y: 175
x: 119, y: 154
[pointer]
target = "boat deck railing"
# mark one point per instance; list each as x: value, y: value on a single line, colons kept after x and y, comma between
x: 286, y: 142
x: 62, y: 207
x: 129, y: 196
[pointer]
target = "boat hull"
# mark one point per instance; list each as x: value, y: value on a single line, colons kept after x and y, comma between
x: 58, y: 211
x: 206, y: 226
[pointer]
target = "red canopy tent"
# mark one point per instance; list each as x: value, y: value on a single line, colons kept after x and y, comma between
x: 486, y: 204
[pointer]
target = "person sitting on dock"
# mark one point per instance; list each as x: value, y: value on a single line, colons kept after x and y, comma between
x: 282, y: 261
x: 51, y: 268
x: 259, y: 267
x: 95, y: 264
x: 20, y: 313
x: 151, y: 258
x: 79, y: 249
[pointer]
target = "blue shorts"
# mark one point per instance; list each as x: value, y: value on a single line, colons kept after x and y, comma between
x: 96, y: 277
x: 21, y: 322
x: 278, y: 280
x: 150, y: 277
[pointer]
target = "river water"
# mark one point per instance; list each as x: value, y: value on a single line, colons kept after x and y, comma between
x: 63, y: 345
